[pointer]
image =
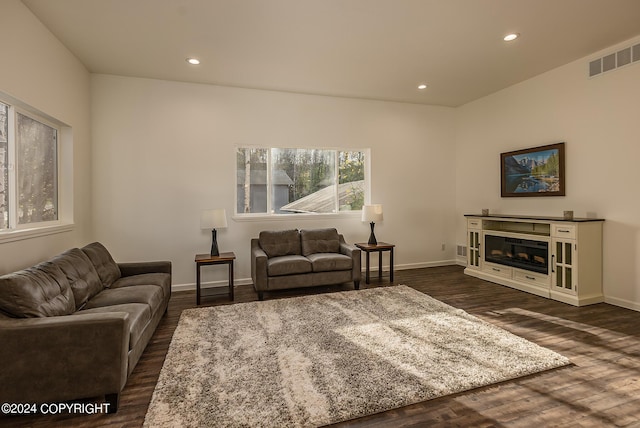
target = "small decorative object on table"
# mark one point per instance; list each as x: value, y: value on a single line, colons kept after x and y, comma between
x: 485, y: 211
x: 568, y: 215
x: 212, y: 219
x: 372, y: 213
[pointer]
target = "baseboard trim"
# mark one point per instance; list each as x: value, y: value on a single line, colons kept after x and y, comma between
x: 623, y: 303
x: 407, y: 266
x: 211, y: 284
x: 248, y: 281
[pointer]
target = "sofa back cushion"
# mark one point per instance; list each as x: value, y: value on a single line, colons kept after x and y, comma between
x: 108, y: 270
x: 81, y: 274
x: 280, y: 243
x: 39, y: 291
x: 319, y: 241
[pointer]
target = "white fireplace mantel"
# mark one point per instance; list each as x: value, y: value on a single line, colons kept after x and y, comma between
x: 573, y: 272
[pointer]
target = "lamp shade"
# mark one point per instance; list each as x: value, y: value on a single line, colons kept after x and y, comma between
x: 213, y: 219
x: 372, y: 213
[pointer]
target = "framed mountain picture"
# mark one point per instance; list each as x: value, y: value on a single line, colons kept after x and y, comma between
x: 538, y: 171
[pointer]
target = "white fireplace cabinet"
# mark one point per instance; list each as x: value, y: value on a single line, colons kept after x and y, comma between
x: 547, y: 256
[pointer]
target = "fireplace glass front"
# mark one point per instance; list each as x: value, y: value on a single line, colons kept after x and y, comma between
x: 521, y: 253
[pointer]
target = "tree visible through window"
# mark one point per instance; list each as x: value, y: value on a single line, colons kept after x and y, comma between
x: 290, y: 180
x: 28, y: 191
x: 4, y: 168
x: 37, y: 167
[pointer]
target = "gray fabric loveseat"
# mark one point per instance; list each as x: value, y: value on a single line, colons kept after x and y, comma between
x: 74, y: 327
x: 291, y: 259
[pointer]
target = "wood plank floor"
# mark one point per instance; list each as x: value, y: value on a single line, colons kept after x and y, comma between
x: 601, y: 388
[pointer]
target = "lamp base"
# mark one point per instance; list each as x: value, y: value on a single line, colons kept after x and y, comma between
x: 372, y: 237
x: 214, y: 244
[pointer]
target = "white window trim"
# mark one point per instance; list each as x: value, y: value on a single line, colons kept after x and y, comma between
x: 300, y: 216
x: 268, y: 216
x: 64, y: 154
x: 12, y: 235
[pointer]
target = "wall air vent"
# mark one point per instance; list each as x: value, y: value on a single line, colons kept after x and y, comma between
x: 461, y: 250
x: 614, y: 60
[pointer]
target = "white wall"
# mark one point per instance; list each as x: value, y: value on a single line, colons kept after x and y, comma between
x: 598, y: 120
x: 163, y: 151
x: 38, y: 70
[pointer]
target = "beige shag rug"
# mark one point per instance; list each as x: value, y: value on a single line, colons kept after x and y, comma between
x: 315, y: 360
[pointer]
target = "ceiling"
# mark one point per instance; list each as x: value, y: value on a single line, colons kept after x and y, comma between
x: 373, y: 49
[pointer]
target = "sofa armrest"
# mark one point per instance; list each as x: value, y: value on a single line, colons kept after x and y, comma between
x: 258, y: 266
x: 138, y: 268
x: 63, y: 357
x: 353, y: 252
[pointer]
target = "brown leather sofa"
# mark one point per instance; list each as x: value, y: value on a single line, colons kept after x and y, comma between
x: 306, y: 258
x: 75, y: 326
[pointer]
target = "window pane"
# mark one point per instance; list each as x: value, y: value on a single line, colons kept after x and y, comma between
x: 4, y: 168
x: 351, y: 180
x: 303, y: 181
x: 251, y: 180
x: 37, y: 171
x: 290, y: 180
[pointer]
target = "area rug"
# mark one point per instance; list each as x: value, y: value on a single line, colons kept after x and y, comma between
x: 315, y: 360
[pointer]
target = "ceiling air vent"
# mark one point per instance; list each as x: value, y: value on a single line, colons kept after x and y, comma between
x: 615, y: 60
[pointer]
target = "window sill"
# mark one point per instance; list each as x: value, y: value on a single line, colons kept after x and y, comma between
x: 22, y: 234
x: 289, y: 217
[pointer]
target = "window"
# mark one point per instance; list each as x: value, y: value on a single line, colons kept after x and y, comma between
x: 4, y: 168
x: 297, y: 181
x: 28, y: 169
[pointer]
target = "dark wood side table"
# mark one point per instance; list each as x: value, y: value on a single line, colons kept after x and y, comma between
x: 206, y: 260
x: 379, y: 248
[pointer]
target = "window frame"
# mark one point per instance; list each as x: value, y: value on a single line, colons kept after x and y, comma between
x: 272, y: 216
x: 63, y: 176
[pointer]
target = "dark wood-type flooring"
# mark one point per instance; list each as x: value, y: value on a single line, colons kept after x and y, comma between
x: 601, y: 388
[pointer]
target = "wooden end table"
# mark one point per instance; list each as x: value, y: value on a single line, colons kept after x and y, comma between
x: 380, y: 247
x: 206, y: 260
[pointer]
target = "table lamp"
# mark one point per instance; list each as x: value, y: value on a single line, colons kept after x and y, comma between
x: 213, y: 219
x: 371, y: 214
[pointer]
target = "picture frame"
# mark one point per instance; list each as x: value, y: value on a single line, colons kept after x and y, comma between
x: 532, y: 172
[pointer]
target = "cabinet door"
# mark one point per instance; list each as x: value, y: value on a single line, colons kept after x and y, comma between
x: 563, y: 265
x: 473, y: 248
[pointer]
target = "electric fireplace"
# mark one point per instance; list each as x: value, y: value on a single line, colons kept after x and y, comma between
x: 520, y: 253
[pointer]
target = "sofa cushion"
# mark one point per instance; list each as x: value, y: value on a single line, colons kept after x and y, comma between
x: 319, y: 241
x: 149, y: 294
x: 162, y: 280
x: 288, y: 265
x: 107, y: 269
x: 326, y: 262
x: 280, y: 242
x: 38, y: 291
x: 139, y: 316
x: 81, y: 274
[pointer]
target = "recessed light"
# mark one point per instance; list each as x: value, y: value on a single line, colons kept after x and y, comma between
x: 422, y: 86
x: 510, y: 37
x: 193, y: 61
